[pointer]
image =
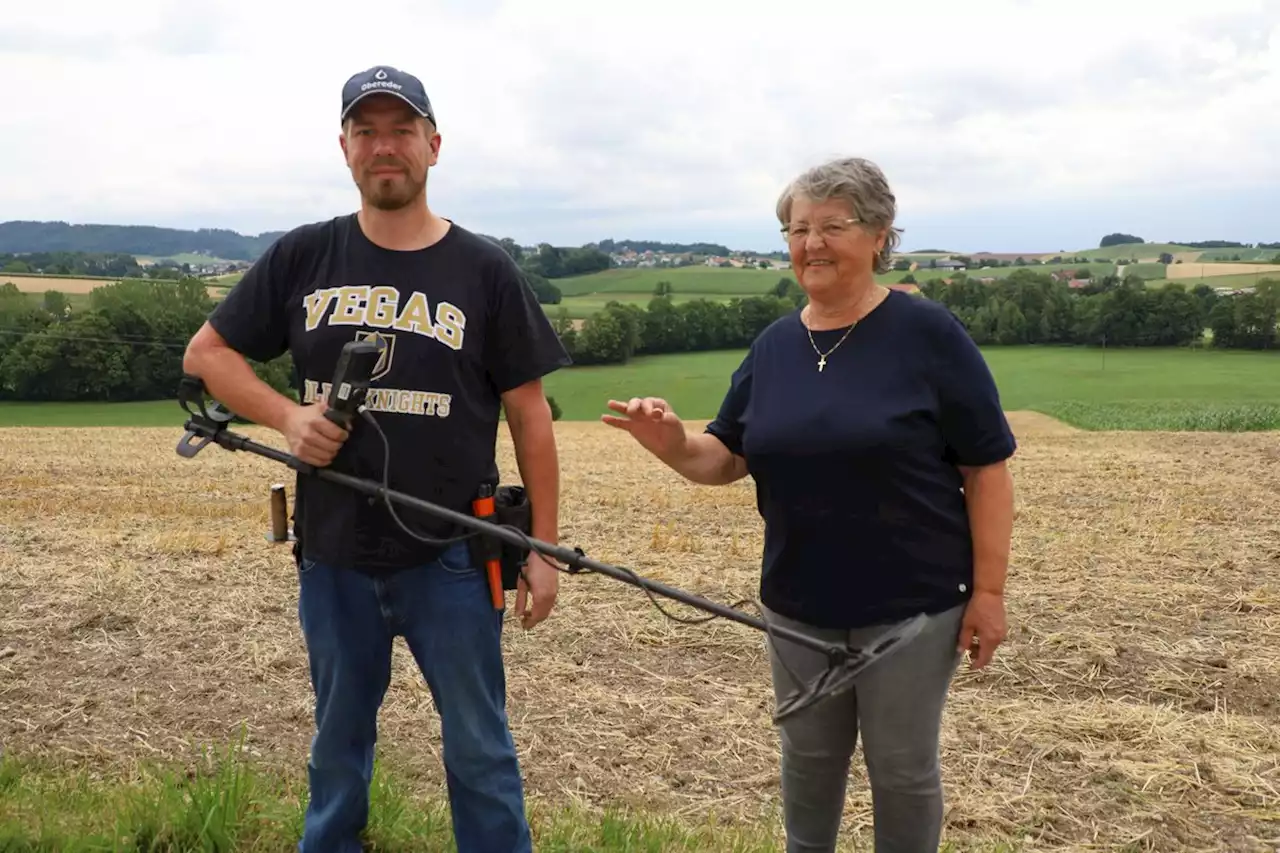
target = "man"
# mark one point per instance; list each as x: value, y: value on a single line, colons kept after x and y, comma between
x: 461, y: 336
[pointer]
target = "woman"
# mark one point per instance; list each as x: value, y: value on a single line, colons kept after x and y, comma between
x: 874, y: 434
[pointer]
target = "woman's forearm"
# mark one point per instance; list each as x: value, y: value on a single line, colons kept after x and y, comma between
x: 705, y: 460
x: 988, y: 492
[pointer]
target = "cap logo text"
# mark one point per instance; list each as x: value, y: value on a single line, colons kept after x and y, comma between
x: 380, y: 84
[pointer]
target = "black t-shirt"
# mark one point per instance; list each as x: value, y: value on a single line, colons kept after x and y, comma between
x: 458, y: 325
x: 855, y: 466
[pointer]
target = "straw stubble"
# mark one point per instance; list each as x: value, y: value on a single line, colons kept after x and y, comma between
x: 145, y: 615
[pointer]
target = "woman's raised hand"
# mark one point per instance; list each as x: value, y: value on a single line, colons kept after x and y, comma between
x: 651, y: 422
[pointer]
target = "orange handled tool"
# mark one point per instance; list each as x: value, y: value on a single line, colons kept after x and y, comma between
x: 484, y: 509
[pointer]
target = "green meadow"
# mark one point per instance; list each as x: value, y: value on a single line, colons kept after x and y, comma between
x: 694, y: 280
x: 231, y: 805
x: 1217, y: 281
x: 1092, y: 388
x: 1178, y: 389
x: 1126, y: 251
x: 1144, y: 251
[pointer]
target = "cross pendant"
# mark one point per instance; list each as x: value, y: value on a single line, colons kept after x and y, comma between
x: 822, y: 362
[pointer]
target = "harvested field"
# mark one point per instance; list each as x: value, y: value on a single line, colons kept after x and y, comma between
x: 43, y: 283
x: 1136, y: 704
x: 1198, y: 270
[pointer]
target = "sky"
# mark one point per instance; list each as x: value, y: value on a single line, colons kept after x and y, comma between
x: 1002, y: 125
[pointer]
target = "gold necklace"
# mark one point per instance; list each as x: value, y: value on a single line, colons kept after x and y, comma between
x: 822, y: 356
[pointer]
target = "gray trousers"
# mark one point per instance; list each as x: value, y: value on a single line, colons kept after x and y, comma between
x: 897, y: 704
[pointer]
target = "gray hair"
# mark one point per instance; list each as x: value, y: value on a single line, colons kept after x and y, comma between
x: 860, y: 184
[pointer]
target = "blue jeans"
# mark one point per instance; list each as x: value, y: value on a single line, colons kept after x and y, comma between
x: 444, y: 613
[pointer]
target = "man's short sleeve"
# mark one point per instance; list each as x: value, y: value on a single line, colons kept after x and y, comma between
x: 253, y: 318
x: 522, y: 345
x: 728, y: 424
x: 971, y: 417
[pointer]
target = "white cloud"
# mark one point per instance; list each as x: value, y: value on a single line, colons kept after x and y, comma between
x: 663, y: 119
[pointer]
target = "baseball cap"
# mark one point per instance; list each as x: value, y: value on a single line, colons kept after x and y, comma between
x: 386, y: 80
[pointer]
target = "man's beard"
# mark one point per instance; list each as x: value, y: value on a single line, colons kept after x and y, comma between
x: 391, y: 193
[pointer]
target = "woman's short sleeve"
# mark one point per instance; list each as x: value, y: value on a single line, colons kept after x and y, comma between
x: 971, y: 417
x: 727, y: 425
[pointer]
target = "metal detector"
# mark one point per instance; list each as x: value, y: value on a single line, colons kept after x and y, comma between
x: 207, y: 423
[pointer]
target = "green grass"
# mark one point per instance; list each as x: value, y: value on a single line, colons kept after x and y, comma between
x: 581, y: 307
x: 585, y: 295
x: 1142, y: 389
x: 228, y: 805
x: 1088, y: 387
x: 1141, y: 251
x: 1126, y: 389
x: 1229, y: 255
x: 1149, y: 272
x: 232, y: 805
x: 1231, y: 281
x: 1166, y: 415
x: 1098, y: 269
x: 693, y: 383
x: 147, y: 413
x: 684, y: 280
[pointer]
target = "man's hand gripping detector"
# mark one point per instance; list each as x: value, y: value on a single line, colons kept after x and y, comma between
x: 351, y: 380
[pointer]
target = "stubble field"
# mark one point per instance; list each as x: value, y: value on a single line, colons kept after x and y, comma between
x: 1195, y: 269
x: 1136, y: 704
x: 62, y: 284
x: 72, y: 286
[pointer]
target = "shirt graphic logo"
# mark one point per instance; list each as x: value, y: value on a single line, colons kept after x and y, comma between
x: 386, y: 351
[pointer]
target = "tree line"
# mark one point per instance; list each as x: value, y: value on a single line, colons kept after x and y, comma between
x: 1027, y: 307
x: 125, y: 344
x: 147, y: 240
x: 622, y: 330
x: 127, y: 341
x: 89, y: 265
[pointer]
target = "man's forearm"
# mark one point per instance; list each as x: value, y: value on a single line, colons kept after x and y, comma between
x: 535, y: 448
x: 989, y: 496
x: 230, y: 379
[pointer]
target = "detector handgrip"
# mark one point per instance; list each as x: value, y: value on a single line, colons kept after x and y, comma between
x: 351, y: 381
x: 342, y: 419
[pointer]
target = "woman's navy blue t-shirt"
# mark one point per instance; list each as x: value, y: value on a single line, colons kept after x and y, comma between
x: 855, y: 466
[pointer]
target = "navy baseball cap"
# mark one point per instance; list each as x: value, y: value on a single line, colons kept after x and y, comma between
x: 385, y: 80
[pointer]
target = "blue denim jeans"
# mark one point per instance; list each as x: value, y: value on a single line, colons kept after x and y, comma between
x: 443, y: 612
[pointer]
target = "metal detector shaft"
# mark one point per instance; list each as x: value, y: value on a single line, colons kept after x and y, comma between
x: 573, y: 558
